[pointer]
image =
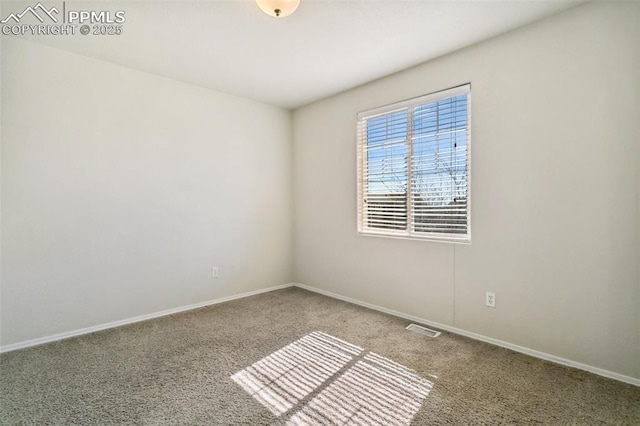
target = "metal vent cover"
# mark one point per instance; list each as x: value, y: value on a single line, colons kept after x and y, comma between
x: 423, y: 330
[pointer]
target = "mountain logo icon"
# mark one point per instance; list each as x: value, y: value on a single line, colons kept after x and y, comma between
x: 38, y: 10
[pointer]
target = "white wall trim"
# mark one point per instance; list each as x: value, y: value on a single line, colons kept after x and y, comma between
x: 93, y: 329
x: 516, y: 348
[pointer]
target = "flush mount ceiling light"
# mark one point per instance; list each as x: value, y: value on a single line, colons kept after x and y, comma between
x: 278, y: 8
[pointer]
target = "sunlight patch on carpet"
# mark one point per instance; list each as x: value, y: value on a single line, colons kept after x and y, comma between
x: 322, y: 379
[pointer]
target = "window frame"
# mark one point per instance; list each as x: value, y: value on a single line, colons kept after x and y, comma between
x: 361, y: 146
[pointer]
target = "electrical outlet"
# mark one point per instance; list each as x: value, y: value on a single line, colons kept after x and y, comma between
x: 214, y: 272
x: 490, y: 299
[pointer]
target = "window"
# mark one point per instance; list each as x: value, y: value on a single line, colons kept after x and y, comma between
x: 413, y: 167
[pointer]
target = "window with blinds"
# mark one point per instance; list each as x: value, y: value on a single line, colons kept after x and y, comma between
x: 413, y: 167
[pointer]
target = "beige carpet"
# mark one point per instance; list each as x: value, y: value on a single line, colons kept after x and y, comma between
x: 294, y: 357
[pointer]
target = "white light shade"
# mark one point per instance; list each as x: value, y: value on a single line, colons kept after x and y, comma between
x: 278, y: 8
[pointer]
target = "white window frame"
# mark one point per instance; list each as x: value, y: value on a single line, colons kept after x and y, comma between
x: 409, y: 233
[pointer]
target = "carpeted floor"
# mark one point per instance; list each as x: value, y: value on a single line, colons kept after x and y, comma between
x: 291, y: 356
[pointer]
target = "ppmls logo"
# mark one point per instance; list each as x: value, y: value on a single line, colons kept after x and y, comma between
x: 33, y: 11
x: 89, y: 22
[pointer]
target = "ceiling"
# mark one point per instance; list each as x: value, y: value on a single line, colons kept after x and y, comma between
x: 325, y: 47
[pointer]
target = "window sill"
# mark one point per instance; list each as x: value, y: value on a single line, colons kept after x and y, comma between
x: 433, y: 238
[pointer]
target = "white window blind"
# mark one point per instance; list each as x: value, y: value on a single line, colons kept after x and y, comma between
x: 413, y: 167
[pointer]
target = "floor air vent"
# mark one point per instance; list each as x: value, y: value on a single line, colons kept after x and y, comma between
x: 423, y: 330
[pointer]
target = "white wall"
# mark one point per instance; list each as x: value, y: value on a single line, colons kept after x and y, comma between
x: 555, y: 184
x: 120, y: 191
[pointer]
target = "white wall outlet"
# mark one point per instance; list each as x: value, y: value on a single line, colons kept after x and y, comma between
x: 214, y: 272
x: 490, y: 299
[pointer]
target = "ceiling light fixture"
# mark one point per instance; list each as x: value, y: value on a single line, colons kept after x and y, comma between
x: 278, y: 8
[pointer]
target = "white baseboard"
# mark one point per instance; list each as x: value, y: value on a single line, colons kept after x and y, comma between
x: 516, y: 348
x: 93, y: 329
